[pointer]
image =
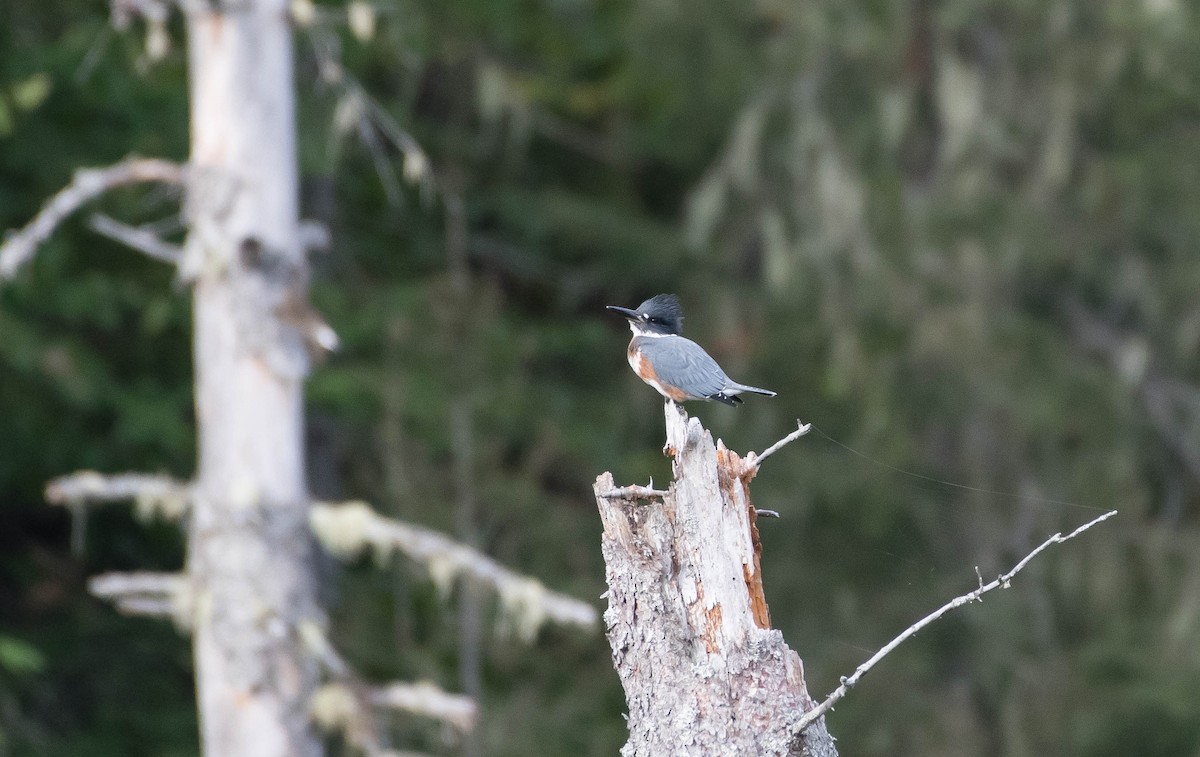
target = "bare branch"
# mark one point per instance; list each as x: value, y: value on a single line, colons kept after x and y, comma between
x: 140, y: 239
x: 347, y: 529
x: 344, y: 707
x: 1002, y: 582
x: 425, y: 699
x: 86, y: 185
x: 341, y: 705
x: 318, y: 644
x: 755, y: 460
x: 153, y: 494
x: 159, y: 595
x: 635, y: 492
x: 346, y: 704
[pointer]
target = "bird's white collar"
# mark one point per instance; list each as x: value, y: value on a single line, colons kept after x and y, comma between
x: 639, y: 330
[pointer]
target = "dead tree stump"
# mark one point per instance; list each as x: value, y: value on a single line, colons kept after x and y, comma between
x: 704, y: 673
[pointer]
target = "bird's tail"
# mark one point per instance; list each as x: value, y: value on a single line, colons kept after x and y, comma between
x: 736, y: 388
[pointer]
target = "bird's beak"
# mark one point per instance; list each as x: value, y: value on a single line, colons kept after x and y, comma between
x: 630, y: 314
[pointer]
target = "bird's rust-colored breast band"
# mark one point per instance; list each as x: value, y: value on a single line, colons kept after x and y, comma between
x: 645, y: 370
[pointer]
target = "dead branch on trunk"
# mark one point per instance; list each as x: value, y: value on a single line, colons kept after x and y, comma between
x: 140, y: 239
x: 86, y: 185
x: 635, y: 491
x: 1002, y: 582
x: 153, y: 495
x: 756, y: 459
x: 427, y: 700
x: 349, y: 528
x: 346, y: 703
x: 156, y: 595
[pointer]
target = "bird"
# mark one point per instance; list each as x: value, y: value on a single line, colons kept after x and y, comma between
x: 678, y: 368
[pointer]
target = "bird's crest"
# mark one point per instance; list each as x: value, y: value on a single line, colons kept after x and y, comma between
x: 665, y: 309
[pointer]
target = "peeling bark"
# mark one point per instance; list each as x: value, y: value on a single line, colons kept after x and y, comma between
x: 703, y: 671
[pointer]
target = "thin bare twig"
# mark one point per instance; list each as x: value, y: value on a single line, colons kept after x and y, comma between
x: 635, y: 491
x: 755, y: 460
x: 347, y: 529
x: 1002, y: 582
x: 318, y: 644
x: 159, y: 595
x: 140, y: 239
x: 86, y: 185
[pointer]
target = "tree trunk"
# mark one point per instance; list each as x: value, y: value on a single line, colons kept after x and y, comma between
x: 690, y: 631
x: 249, y: 545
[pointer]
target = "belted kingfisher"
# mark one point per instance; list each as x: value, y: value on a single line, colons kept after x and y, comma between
x: 677, y: 367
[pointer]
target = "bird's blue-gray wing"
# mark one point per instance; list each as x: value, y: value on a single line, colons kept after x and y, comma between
x: 682, y: 363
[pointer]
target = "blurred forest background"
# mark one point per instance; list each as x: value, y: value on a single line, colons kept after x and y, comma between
x: 957, y: 236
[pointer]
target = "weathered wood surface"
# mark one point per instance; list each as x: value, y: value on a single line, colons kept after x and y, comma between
x: 704, y: 673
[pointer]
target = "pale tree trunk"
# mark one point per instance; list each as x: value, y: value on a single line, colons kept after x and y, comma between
x: 250, y: 552
x: 704, y: 673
